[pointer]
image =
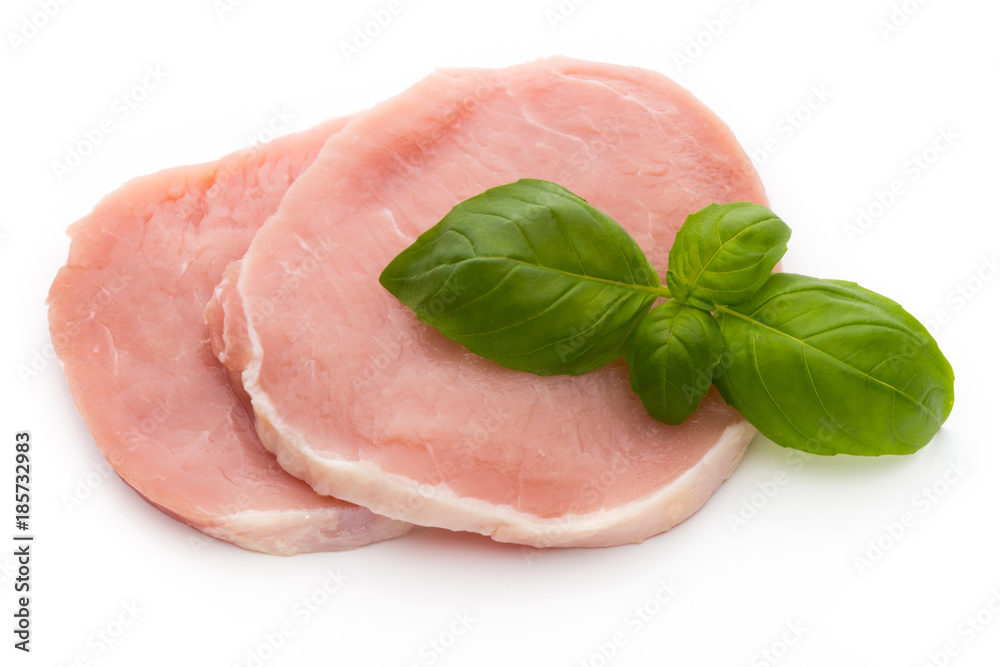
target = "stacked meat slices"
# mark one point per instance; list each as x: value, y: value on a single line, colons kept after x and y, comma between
x: 125, y: 315
x: 350, y: 392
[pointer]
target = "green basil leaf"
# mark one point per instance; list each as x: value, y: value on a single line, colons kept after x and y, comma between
x: 671, y: 357
x: 724, y: 253
x: 530, y: 276
x: 829, y: 367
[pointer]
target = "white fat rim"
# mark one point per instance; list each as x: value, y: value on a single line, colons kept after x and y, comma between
x: 402, y: 498
x: 291, y: 532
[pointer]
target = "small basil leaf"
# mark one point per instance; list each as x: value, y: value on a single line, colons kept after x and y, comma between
x: 724, y: 253
x: 530, y: 276
x: 829, y: 367
x: 671, y: 357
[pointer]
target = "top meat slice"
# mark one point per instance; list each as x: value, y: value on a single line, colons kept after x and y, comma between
x: 364, y: 402
x: 125, y: 315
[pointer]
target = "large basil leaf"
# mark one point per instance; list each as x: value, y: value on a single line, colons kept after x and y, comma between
x: 829, y: 367
x: 530, y: 276
x: 724, y: 253
x: 671, y: 357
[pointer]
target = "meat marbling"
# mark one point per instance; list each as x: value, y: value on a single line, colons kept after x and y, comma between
x: 126, y: 319
x: 364, y: 402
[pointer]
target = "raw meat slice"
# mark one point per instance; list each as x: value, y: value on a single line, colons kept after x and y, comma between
x: 125, y: 315
x: 362, y: 401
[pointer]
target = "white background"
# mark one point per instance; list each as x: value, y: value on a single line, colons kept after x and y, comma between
x: 820, y: 552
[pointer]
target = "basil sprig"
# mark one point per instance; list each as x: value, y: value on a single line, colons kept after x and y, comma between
x: 724, y: 253
x: 833, y: 368
x: 534, y: 278
x: 530, y: 276
x: 671, y: 358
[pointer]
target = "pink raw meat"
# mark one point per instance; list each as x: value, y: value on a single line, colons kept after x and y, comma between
x: 125, y: 315
x: 364, y: 402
